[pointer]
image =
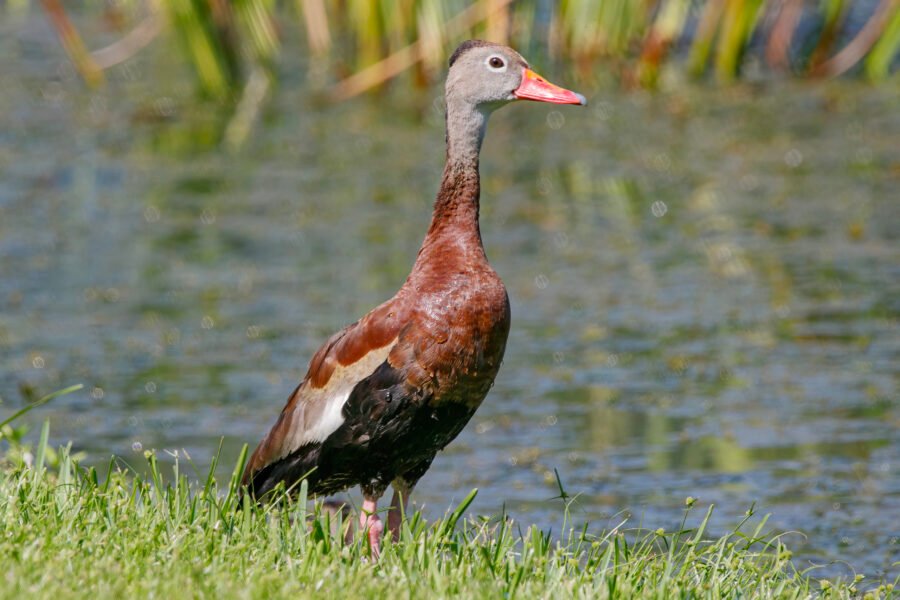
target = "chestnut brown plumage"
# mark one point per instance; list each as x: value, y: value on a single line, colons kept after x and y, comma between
x: 385, y: 394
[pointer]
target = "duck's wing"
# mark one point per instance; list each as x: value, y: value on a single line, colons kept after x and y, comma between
x: 315, y: 409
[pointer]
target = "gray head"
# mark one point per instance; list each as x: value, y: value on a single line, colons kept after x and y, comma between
x: 483, y: 77
x: 488, y: 75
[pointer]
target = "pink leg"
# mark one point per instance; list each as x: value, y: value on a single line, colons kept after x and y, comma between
x: 398, y: 508
x: 371, y: 524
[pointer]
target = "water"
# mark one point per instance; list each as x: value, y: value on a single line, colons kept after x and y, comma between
x: 704, y: 285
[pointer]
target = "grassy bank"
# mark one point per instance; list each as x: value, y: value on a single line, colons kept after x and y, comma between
x: 68, y: 532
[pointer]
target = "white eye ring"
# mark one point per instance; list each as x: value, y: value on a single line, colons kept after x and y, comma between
x: 500, y: 69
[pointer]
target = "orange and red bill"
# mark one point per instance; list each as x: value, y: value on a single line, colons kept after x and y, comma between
x: 534, y: 87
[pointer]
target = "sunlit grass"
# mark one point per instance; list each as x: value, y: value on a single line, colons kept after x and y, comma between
x: 72, y: 532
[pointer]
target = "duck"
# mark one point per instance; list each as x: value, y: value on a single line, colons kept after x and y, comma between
x: 384, y: 395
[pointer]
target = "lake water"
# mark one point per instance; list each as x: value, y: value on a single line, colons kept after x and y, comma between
x: 705, y: 284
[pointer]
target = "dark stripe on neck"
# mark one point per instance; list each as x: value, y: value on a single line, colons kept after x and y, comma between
x: 457, y: 204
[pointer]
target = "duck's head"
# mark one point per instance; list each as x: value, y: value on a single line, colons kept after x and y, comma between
x: 488, y: 75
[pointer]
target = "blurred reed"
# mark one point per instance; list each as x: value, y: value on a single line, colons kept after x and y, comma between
x: 360, y: 44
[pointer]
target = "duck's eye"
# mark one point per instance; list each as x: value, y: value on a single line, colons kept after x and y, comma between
x: 496, y: 63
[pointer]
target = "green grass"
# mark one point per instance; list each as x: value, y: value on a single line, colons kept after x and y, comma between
x: 67, y: 531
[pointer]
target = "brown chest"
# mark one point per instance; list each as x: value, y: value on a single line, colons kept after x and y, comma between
x: 463, y: 329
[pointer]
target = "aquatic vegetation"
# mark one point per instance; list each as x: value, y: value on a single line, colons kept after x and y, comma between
x: 364, y: 43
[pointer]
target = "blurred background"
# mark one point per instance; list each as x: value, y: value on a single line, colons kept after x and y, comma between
x: 703, y: 263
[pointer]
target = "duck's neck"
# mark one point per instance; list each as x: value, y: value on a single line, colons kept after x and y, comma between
x: 456, y: 208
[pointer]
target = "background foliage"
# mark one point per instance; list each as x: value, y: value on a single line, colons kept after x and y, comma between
x: 355, y: 45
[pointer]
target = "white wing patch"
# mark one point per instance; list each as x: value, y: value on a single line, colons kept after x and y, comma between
x: 309, y: 425
x: 328, y: 422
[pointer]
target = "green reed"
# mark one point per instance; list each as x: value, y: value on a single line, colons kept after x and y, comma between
x: 227, y: 41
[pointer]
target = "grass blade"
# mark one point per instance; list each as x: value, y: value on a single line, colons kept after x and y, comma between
x: 25, y: 410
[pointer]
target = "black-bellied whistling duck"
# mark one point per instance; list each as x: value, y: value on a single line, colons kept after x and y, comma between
x: 386, y: 393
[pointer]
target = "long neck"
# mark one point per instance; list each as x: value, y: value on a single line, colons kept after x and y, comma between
x: 456, y: 206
